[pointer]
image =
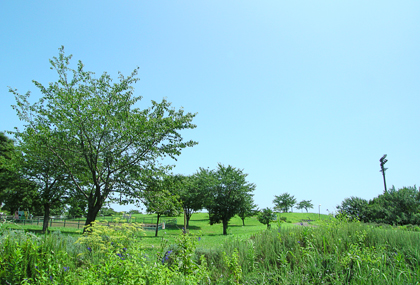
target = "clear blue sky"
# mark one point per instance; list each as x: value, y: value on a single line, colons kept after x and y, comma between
x: 305, y: 96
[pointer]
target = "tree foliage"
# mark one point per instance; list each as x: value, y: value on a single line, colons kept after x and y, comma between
x: 266, y: 216
x: 16, y: 192
x: 8, y: 176
x: 37, y: 164
x: 192, y: 194
x: 284, y: 202
x: 103, y: 141
x: 305, y: 204
x: 354, y: 207
x: 227, y: 190
x: 398, y: 207
x: 161, y: 198
x: 247, y: 208
x: 77, y: 205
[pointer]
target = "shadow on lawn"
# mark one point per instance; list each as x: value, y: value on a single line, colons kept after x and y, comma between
x: 179, y: 227
x: 240, y: 226
x: 39, y: 232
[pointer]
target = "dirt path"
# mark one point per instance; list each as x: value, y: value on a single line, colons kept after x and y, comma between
x: 305, y: 224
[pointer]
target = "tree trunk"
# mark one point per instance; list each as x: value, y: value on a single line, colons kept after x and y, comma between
x: 188, y: 220
x: 157, y: 225
x: 225, y: 225
x: 93, y: 210
x: 46, y: 217
x: 243, y: 222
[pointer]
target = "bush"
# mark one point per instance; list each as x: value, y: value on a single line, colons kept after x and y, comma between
x: 132, y: 211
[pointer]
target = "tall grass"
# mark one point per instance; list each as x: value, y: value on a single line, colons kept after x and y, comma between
x: 333, y: 252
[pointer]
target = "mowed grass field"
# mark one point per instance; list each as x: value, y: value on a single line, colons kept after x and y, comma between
x: 210, y: 235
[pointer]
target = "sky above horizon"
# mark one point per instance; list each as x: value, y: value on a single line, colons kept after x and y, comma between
x: 304, y: 96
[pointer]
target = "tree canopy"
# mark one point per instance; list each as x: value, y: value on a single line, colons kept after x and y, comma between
x: 305, y: 204
x: 266, y: 216
x: 228, y: 190
x: 161, y: 198
x: 284, y: 202
x: 16, y: 192
x: 192, y: 195
x: 247, y: 208
x: 103, y: 141
x: 400, y: 207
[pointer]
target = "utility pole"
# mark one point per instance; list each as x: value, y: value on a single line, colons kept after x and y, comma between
x: 383, y: 161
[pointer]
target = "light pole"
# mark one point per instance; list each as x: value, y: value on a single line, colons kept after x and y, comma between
x: 383, y: 161
x: 319, y: 211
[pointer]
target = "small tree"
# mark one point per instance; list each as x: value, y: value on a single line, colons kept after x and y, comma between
x: 266, y: 216
x: 160, y: 200
x: 227, y: 192
x: 247, y: 209
x: 36, y: 163
x: 284, y: 202
x: 192, y: 195
x: 305, y: 204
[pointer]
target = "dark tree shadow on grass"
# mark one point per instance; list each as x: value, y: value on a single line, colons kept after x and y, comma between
x: 39, y: 232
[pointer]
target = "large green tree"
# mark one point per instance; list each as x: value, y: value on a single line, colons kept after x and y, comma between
x: 105, y: 143
x: 284, y: 202
x: 228, y: 189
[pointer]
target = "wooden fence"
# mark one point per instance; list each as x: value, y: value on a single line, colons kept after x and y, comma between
x: 148, y: 222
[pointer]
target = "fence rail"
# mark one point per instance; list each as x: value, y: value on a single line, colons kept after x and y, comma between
x: 148, y: 222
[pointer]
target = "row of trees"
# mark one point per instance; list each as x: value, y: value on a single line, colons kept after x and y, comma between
x: 285, y: 202
x: 395, y: 207
x: 224, y: 192
x: 282, y: 203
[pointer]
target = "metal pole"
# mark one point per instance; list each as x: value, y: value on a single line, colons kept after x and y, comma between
x: 383, y: 161
x: 319, y: 211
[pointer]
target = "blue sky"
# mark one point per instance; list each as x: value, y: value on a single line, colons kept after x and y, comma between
x: 305, y: 96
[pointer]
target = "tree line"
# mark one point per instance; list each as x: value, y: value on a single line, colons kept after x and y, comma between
x: 394, y: 207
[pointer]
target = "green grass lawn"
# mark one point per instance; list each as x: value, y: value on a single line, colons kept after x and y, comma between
x: 210, y: 235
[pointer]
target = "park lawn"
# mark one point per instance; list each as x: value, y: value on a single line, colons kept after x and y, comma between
x: 210, y: 235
